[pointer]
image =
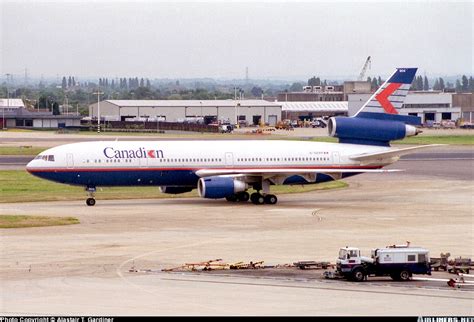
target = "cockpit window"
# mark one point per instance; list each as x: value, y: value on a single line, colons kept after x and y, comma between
x: 45, y: 157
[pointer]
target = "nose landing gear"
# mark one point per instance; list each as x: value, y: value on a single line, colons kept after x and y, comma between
x: 90, y: 193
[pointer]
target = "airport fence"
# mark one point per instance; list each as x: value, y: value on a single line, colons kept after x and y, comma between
x: 137, y: 126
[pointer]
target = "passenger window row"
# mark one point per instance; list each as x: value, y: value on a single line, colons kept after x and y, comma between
x: 109, y: 161
x: 179, y: 160
x: 282, y: 159
x: 192, y: 160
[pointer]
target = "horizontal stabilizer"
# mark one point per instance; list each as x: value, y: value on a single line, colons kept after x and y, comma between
x: 276, y: 171
x: 390, y: 153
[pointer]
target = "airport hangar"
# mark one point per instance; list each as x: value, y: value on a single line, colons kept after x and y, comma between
x: 250, y: 112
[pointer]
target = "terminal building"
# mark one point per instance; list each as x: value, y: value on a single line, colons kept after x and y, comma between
x: 465, y: 101
x: 326, y: 93
x: 314, y: 94
x: 249, y: 112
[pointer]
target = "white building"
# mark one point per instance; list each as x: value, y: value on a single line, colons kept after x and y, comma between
x: 247, y: 111
x: 430, y: 106
x: 14, y: 114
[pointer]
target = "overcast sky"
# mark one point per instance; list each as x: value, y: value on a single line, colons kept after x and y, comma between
x: 216, y: 39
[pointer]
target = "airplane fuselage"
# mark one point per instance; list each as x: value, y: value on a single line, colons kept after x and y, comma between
x: 174, y: 163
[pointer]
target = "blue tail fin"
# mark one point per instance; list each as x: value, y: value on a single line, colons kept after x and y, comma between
x: 378, y: 121
x: 383, y: 104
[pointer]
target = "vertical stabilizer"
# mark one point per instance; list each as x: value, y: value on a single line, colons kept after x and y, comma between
x: 385, y: 102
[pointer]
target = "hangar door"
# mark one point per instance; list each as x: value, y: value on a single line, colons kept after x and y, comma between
x: 272, y: 120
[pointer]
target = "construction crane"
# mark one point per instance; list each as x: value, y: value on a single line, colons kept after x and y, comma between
x: 364, y: 69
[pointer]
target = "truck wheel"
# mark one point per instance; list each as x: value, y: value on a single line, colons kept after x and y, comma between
x: 358, y: 275
x: 404, y: 275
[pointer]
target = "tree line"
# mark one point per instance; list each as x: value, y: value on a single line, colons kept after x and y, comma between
x: 79, y: 94
x: 420, y: 83
x: 461, y: 85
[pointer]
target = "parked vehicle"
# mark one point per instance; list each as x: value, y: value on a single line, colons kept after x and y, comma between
x: 319, y: 122
x: 226, y: 128
x: 398, y: 262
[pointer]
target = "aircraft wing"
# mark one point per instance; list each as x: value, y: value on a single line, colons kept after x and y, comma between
x: 280, y: 172
x: 368, y: 157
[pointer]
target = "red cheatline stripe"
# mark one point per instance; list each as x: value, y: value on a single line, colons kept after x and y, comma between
x: 382, y: 97
x: 190, y: 169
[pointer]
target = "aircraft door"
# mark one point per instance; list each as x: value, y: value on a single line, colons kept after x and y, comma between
x: 70, y: 160
x: 229, y: 159
x: 336, y: 159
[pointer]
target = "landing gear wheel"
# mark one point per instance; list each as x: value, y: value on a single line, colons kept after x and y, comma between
x: 232, y: 198
x: 90, y: 201
x: 243, y: 196
x: 271, y: 199
x: 257, y: 199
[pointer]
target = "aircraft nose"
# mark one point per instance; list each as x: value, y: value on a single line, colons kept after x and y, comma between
x: 30, y: 166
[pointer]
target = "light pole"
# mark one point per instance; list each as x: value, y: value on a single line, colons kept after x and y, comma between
x: 98, y: 93
x: 202, y: 117
x: 3, y: 111
x: 8, y: 103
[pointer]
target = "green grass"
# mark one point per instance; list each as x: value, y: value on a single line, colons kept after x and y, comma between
x: 438, y: 139
x: 18, y: 130
x: 21, y: 150
x: 421, y: 140
x: 12, y: 221
x: 20, y: 186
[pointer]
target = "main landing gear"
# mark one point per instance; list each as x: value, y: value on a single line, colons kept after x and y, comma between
x: 90, y: 193
x: 259, y: 199
x: 256, y: 198
x: 262, y: 196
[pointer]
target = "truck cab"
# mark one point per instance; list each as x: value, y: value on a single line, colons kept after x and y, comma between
x: 349, y: 256
x: 351, y: 265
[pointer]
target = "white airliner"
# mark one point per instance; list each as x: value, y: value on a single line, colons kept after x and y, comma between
x: 227, y: 169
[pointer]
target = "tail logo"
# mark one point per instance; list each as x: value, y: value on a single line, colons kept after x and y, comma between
x: 383, y: 96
